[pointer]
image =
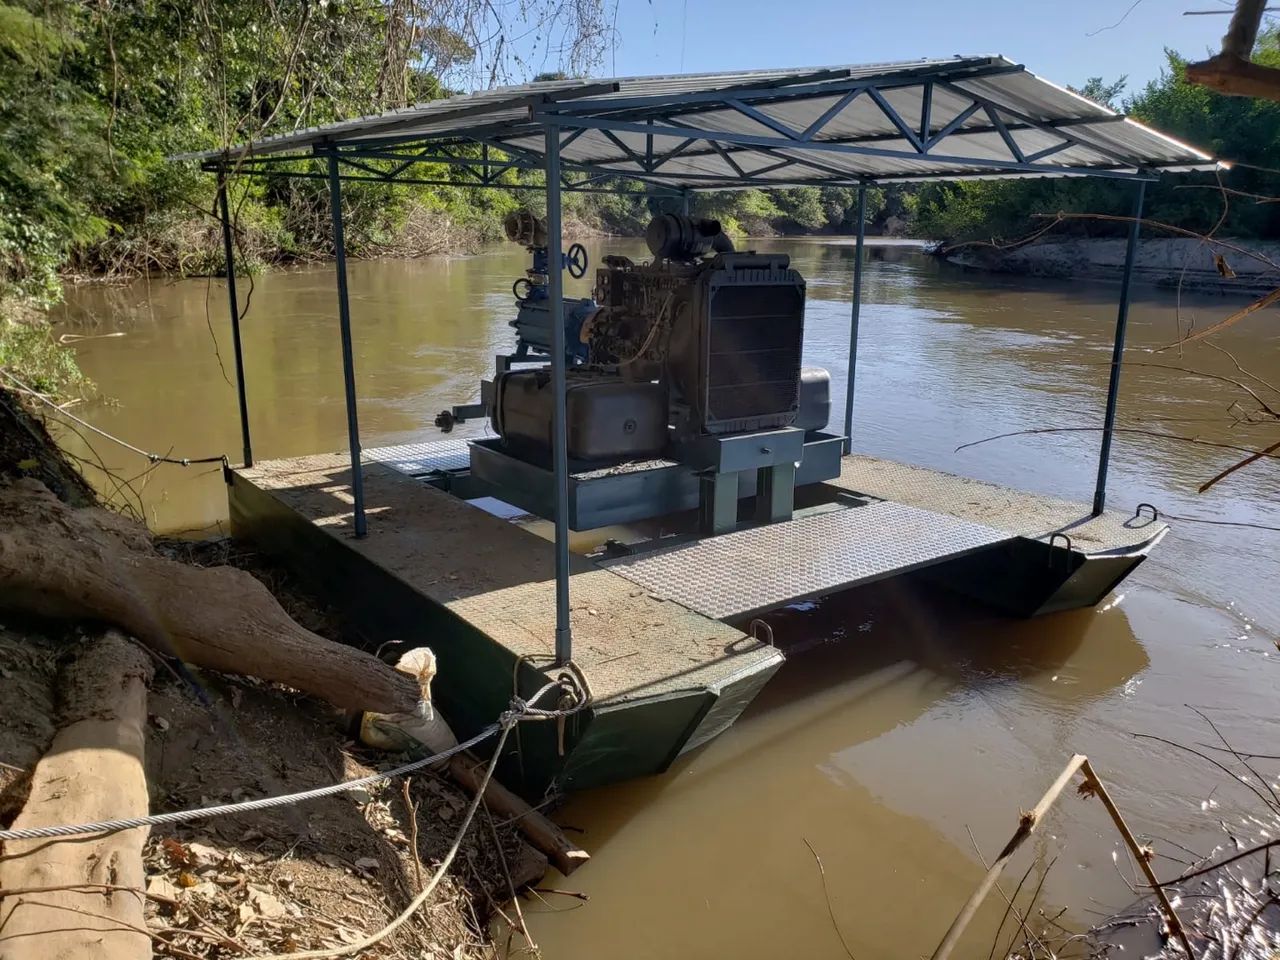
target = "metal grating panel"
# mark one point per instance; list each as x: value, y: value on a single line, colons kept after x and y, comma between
x: 1032, y: 515
x: 416, y: 459
x: 763, y: 568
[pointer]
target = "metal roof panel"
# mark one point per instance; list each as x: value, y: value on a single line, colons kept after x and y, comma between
x: 987, y: 117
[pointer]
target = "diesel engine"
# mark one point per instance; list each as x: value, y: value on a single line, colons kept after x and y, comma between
x: 700, y: 341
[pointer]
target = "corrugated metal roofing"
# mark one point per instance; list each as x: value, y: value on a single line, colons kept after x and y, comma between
x: 925, y: 119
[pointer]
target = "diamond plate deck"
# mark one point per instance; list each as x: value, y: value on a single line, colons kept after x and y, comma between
x: 500, y: 579
x: 763, y: 568
x: 1023, y: 514
x: 415, y: 459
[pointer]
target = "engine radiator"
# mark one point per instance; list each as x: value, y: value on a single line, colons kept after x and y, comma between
x: 748, y: 326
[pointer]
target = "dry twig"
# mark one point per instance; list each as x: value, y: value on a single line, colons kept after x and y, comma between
x: 822, y: 872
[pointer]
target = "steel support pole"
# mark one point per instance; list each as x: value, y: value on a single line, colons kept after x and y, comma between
x: 684, y: 202
x: 1117, y: 353
x: 851, y: 370
x: 559, y: 432
x: 348, y: 359
x: 229, y: 255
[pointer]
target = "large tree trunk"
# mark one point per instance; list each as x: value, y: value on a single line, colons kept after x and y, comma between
x: 92, y: 771
x: 56, y: 560
x: 88, y: 563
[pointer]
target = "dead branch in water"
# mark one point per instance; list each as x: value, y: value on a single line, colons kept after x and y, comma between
x: 1130, y: 430
x: 1229, y: 904
x: 1239, y: 465
x: 1027, y: 823
x: 822, y: 872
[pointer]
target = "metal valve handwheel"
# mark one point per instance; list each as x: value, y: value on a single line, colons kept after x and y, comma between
x: 575, y: 261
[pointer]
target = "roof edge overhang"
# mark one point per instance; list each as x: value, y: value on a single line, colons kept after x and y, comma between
x: 959, y: 118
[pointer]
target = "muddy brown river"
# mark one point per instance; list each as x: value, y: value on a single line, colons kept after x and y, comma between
x: 905, y: 723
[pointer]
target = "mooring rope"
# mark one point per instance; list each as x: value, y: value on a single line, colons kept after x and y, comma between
x: 153, y: 457
x: 366, y: 942
x: 519, y: 710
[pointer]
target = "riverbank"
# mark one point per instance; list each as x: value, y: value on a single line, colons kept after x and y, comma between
x: 323, y: 875
x: 1243, y: 267
x: 190, y: 246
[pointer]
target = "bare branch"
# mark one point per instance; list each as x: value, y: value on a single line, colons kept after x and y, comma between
x: 1252, y: 458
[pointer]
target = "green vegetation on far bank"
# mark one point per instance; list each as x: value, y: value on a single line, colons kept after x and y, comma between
x: 1242, y: 130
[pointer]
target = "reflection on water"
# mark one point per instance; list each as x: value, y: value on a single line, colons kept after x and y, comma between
x: 904, y: 720
x: 865, y: 747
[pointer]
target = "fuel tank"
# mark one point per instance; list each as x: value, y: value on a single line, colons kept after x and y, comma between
x: 609, y: 419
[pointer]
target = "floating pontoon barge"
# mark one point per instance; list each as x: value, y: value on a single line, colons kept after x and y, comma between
x: 662, y: 628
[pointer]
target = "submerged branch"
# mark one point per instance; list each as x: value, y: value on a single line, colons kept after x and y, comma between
x: 1257, y: 454
x: 1240, y: 465
x: 1262, y: 302
x: 822, y: 872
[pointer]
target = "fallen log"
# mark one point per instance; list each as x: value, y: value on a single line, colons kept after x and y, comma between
x: 92, y: 771
x: 392, y: 732
x: 89, y: 563
x: 540, y: 831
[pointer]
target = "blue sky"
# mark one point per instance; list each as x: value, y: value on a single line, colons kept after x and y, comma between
x: 1051, y: 37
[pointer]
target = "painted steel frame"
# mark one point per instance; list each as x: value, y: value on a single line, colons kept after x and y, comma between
x: 562, y: 121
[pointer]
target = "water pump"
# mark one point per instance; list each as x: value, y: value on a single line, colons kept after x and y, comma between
x: 532, y: 322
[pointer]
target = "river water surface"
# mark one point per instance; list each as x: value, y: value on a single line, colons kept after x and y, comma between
x: 904, y: 723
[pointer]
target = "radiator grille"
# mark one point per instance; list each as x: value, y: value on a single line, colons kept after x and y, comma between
x: 753, y: 355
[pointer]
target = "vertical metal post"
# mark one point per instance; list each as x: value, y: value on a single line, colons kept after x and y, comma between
x: 1117, y: 354
x: 851, y: 370
x: 559, y: 431
x: 684, y: 201
x: 229, y: 254
x: 344, y: 328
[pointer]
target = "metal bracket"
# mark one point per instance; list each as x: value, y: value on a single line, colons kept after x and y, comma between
x: 1056, y: 536
x: 775, y: 492
x: 1155, y: 514
x: 762, y: 632
x: 717, y: 502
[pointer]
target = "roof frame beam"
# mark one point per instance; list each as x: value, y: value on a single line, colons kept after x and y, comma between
x: 519, y: 161
x: 480, y: 135
x: 1105, y: 173
x: 683, y: 148
x: 724, y: 153
x: 895, y: 118
x: 1014, y: 150
x: 720, y: 137
x: 952, y: 126
x: 627, y: 152
x: 1049, y: 151
x: 831, y: 113
x: 663, y: 106
x: 672, y: 154
x: 926, y: 111
x: 574, y: 186
x: 984, y: 102
x: 763, y: 119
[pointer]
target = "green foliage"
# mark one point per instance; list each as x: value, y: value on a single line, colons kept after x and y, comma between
x: 94, y: 97
x: 1099, y: 91
x: 1240, y: 129
x: 48, y: 171
x: 29, y: 349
